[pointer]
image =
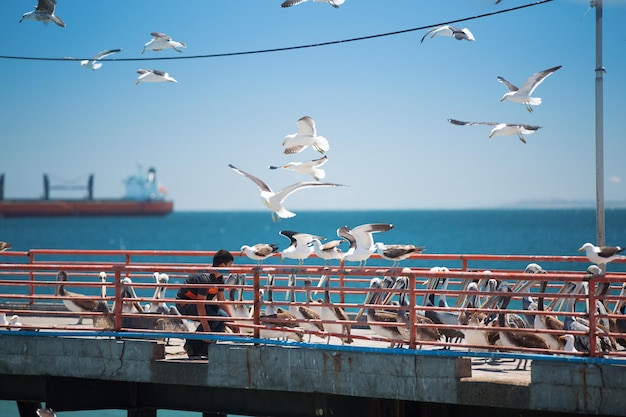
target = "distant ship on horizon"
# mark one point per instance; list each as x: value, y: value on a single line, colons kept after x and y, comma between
x: 144, y: 196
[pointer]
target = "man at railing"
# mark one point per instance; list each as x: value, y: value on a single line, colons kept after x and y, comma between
x: 195, y: 347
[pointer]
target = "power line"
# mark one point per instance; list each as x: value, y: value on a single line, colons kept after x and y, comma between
x: 287, y: 48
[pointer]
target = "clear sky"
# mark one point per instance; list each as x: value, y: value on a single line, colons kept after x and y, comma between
x: 383, y: 103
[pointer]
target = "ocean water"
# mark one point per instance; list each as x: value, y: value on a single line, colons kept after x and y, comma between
x: 510, y: 232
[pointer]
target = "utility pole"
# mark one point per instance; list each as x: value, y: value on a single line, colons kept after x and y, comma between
x: 600, y: 225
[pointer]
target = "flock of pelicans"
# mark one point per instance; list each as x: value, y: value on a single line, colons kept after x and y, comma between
x: 478, y: 318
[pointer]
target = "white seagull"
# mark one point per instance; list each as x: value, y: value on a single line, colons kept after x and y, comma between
x: 327, y: 251
x: 396, y: 253
x: 153, y: 76
x: 93, y: 63
x: 274, y: 201
x: 4, y: 246
x: 260, y: 251
x: 601, y: 254
x: 502, y: 129
x: 308, y: 168
x: 522, y: 95
x: 306, y: 136
x: 361, y: 240
x: 334, y: 3
x: 162, y: 41
x: 44, y: 12
x: 448, y: 30
x: 299, y: 247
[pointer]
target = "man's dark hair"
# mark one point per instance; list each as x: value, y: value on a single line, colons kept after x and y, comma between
x: 222, y: 257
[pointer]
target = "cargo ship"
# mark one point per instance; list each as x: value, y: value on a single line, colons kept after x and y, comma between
x: 144, y: 196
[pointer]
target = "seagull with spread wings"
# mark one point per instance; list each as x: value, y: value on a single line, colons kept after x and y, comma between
x: 502, y: 129
x: 447, y: 30
x: 305, y: 137
x: 334, y: 3
x: 523, y: 94
x: 162, y: 41
x: 274, y: 201
x: 153, y: 76
x: 93, y: 63
x: 44, y: 12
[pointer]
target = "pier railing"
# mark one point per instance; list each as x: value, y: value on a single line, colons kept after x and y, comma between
x: 566, y: 290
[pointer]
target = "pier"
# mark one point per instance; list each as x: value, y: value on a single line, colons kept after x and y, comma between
x: 50, y: 361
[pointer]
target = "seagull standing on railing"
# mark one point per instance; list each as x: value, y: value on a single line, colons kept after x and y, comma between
x: 259, y: 252
x: 361, y: 241
x: 601, y: 254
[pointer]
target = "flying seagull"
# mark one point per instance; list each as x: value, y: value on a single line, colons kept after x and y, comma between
x: 601, y: 254
x: 274, y: 201
x: 162, y: 41
x: 334, y: 3
x: 93, y: 63
x: 44, y: 12
x: 153, y: 76
x: 522, y: 95
x: 307, y: 168
x: 448, y: 30
x: 502, y: 129
x: 306, y: 136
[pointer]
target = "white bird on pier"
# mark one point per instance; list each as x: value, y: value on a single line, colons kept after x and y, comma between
x: 93, y: 63
x: 162, y: 41
x: 327, y: 251
x: 311, y: 167
x: 601, y: 254
x: 274, y: 201
x: 299, y: 247
x: 305, y: 137
x: 502, y: 129
x: 447, y: 30
x: 361, y: 240
x: 153, y: 76
x: 522, y: 94
x: 44, y: 12
x: 397, y: 253
x: 259, y: 252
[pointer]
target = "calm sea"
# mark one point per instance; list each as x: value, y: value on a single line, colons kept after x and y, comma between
x: 511, y: 232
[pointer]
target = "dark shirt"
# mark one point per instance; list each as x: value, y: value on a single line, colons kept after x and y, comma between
x: 208, y: 293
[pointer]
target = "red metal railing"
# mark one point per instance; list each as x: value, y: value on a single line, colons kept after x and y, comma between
x: 28, y: 288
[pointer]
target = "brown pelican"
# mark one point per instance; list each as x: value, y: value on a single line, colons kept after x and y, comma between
x: 331, y: 314
x: 75, y: 302
x: 548, y: 322
x: 158, y: 306
x: 307, y: 318
x: 274, y: 329
x: 374, y: 298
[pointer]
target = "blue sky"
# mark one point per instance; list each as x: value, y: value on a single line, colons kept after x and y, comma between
x: 383, y: 103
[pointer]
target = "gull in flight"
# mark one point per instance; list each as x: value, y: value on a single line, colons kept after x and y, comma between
x: 448, y: 30
x: 162, y: 41
x: 361, y: 240
x: 306, y: 136
x: 601, y: 254
x: 44, y: 12
x: 153, y: 76
x: 502, y: 129
x: 522, y: 95
x: 334, y: 3
x: 93, y: 63
x: 307, y: 168
x: 274, y: 201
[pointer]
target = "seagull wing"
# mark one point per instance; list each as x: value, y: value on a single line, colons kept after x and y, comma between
x: 106, y: 53
x: 528, y: 129
x: 510, y: 86
x: 316, y: 162
x: 441, y: 30
x: 285, y: 192
x: 263, y: 186
x: 537, y: 78
x: 160, y: 35
x: 46, y: 5
x: 460, y: 123
x: 363, y: 233
x: 159, y: 73
x: 143, y: 71
x: 345, y: 233
x: 289, y: 3
x: 306, y: 126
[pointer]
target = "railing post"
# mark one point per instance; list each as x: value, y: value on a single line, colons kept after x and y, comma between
x: 31, y: 275
x: 117, y: 310
x: 593, y: 346
x: 412, y: 313
x: 256, y: 288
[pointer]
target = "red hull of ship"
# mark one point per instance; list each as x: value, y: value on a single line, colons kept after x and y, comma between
x: 44, y: 208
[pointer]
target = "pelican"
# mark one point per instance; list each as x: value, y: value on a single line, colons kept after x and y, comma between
x: 397, y: 253
x: 446, y: 318
x: 130, y: 303
x: 158, y: 306
x: 522, y: 94
x: 239, y: 310
x: 273, y: 329
x: 93, y: 63
x: 548, y: 322
x: 306, y: 316
x: 259, y: 252
x: 305, y: 137
x: 331, y: 314
x: 403, y: 315
x: 77, y: 303
x: 374, y: 297
x: 44, y: 12
x: 361, y: 241
x: 162, y: 41
x: 274, y: 201
x: 327, y: 251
